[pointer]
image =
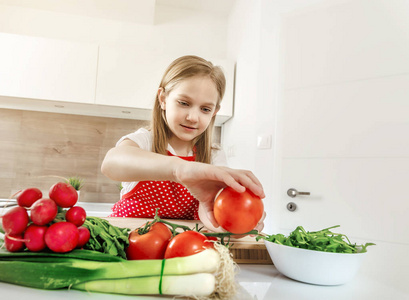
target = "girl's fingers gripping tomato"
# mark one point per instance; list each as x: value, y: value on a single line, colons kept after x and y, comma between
x: 151, y: 245
x: 238, y: 212
x: 187, y: 243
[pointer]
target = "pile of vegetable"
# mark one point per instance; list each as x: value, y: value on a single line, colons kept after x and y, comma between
x: 52, y: 223
x: 159, y: 258
x: 322, y: 240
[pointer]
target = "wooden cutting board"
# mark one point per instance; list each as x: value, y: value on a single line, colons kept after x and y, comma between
x: 245, y: 250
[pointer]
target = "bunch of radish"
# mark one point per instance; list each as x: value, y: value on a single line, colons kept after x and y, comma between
x: 39, y: 223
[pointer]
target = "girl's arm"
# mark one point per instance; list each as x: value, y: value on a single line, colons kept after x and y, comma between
x: 128, y: 162
x: 205, y: 181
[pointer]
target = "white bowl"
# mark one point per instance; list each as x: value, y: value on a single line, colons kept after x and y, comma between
x: 315, y: 267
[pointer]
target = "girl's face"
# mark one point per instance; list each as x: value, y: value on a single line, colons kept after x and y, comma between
x: 189, y: 108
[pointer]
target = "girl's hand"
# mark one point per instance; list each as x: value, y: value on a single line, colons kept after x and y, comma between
x: 204, y: 181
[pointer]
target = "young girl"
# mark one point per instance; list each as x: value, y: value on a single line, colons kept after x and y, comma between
x: 173, y: 165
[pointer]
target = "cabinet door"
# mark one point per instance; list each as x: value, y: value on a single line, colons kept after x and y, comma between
x: 226, y: 108
x: 129, y: 76
x: 32, y: 67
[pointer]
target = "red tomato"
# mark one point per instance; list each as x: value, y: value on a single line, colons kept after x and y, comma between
x: 238, y: 212
x: 151, y: 245
x: 187, y: 243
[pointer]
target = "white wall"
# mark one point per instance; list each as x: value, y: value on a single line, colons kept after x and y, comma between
x: 254, y: 31
x: 346, y: 85
x: 254, y: 28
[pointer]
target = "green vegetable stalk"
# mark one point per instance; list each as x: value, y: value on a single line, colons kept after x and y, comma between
x: 177, y: 228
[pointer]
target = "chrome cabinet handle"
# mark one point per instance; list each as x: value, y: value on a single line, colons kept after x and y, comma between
x: 293, y: 193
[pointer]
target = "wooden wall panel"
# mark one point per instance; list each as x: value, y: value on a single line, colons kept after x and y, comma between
x: 37, y: 145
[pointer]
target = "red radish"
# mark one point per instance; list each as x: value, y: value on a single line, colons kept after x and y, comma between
x: 15, y: 220
x: 43, y: 211
x: 14, y: 243
x: 62, y: 237
x: 27, y: 197
x: 76, y: 215
x: 84, y: 236
x: 63, y: 194
x: 34, y: 237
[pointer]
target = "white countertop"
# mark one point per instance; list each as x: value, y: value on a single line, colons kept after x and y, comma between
x: 383, y: 275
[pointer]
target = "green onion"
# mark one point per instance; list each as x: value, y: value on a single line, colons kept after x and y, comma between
x: 200, y: 274
x: 77, y: 253
x: 63, y: 272
x: 201, y: 284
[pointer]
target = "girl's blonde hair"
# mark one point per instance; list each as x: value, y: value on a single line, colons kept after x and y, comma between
x: 180, y: 69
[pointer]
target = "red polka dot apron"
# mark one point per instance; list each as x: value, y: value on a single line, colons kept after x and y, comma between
x: 173, y: 200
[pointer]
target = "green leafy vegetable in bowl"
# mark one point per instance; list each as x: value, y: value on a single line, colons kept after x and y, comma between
x: 323, y: 240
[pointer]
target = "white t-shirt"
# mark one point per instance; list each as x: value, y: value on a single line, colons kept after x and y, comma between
x: 144, y: 139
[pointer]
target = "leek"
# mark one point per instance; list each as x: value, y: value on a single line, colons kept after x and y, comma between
x: 63, y: 272
x: 209, y: 272
x: 201, y: 284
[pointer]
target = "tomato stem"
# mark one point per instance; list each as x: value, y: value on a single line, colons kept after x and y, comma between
x: 146, y: 228
x: 174, y: 227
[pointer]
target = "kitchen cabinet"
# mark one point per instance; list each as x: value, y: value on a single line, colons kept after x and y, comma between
x: 47, y: 69
x: 97, y: 80
x: 129, y: 76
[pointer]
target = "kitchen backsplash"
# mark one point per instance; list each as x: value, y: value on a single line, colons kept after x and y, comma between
x: 35, y: 146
